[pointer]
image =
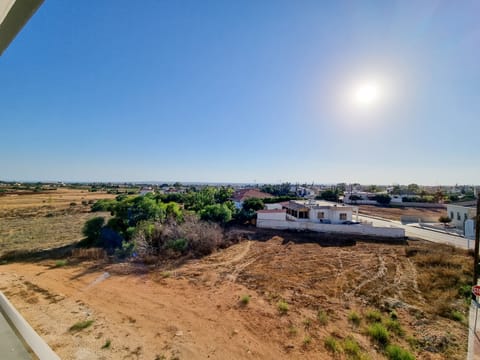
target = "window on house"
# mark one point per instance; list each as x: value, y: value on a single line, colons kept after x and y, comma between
x: 321, y: 215
x: 451, y: 215
x: 343, y: 216
x: 458, y: 216
x: 465, y: 216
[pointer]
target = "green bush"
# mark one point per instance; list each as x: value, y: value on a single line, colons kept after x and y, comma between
x: 80, y: 325
x: 282, y: 307
x: 217, y: 213
x: 351, y: 348
x: 307, y: 340
x: 292, y: 330
x: 465, y: 291
x: 92, y: 229
x: 457, y: 316
x: 394, y: 326
x: 103, y: 205
x: 178, y: 245
x: 331, y: 344
x: 354, y: 318
x: 60, y: 263
x: 373, y: 316
x: 322, y: 317
x: 245, y: 299
x: 307, y: 323
x: 126, y: 250
x: 378, y: 333
x: 395, y: 352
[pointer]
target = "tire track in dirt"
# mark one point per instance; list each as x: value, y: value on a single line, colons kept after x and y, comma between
x: 232, y: 266
x: 381, y: 271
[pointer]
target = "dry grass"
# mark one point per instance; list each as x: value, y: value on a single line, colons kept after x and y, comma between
x: 443, y: 272
x: 49, y: 202
x: 90, y: 253
x: 47, y: 220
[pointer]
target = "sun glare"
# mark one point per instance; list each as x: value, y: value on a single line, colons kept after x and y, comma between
x: 366, y: 94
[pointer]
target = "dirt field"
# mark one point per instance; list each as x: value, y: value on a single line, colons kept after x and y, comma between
x: 52, y: 202
x: 297, y: 295
x: 44, y: 220
x: 193, y: 311
x: 396, y: 213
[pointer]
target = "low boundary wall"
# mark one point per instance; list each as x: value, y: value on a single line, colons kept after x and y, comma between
x: 391, y: 232
x: 39, y: 347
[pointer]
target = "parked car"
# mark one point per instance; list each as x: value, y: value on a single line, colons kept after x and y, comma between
x: 325, y: 221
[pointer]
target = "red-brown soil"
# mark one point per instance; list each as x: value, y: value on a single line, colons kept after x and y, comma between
x: 193, y: 311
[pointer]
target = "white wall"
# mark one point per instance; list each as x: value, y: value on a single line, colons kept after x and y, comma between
x: 463, y: 211
x: 274, y: 206
x: 391, y: 232
x: 271, y: 216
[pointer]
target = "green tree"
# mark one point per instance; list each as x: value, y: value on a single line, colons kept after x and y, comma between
x: 217, y: 213
x: 253, y: 204
x: 355, y: 198
x: 341, y: 188
x: 328, y: 195
x: 202, y: 198
x: 396, y: 190
x: 223, y: 194
x: 444, y: 220
x: 413, y: 189
x: 92, y: 229
x: 278, y: 189
x: 174, y: 211
x: 383, y: 199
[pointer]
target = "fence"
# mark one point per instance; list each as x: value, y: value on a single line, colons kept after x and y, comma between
x: 358, y: 229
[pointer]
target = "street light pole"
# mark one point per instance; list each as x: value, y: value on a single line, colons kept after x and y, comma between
x: 477, y: 243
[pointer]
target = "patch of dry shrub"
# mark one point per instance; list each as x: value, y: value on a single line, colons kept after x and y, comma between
x: 202, y: 238
x: 442, y: 272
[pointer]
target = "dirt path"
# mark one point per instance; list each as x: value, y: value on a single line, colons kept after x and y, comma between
x: 194, y: 312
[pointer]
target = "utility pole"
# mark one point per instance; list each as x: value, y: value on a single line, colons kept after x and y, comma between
x: 477, y: 243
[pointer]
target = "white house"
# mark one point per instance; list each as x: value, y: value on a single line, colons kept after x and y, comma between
x: 316, y: 211
x: 146, y: 190
x: 359, y: 197
x: 461, y: 212
x: 320, y: 216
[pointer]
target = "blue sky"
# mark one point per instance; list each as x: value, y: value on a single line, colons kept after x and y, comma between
x: 243, y: 91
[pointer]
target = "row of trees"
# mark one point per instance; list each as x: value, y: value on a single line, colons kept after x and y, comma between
x: 149, y: 221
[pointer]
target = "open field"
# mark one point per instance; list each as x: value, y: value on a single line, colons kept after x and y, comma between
x: 51, y: 202
x: 274, y: 299
x: 277, y: 295
x: 32, y: 221
x: 396, y: 213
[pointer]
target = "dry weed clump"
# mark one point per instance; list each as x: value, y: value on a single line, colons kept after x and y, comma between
x: 89, y: 254
x: 192, y: 237
x: 443, y: 274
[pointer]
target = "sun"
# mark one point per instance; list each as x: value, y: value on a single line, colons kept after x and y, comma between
x: 366, y: 94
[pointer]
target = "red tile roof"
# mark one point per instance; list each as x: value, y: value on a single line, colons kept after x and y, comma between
x: 243, y: 194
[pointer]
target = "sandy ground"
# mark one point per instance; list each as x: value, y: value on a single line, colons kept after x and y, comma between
x: 396, y: 213
x: 193, y: 311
